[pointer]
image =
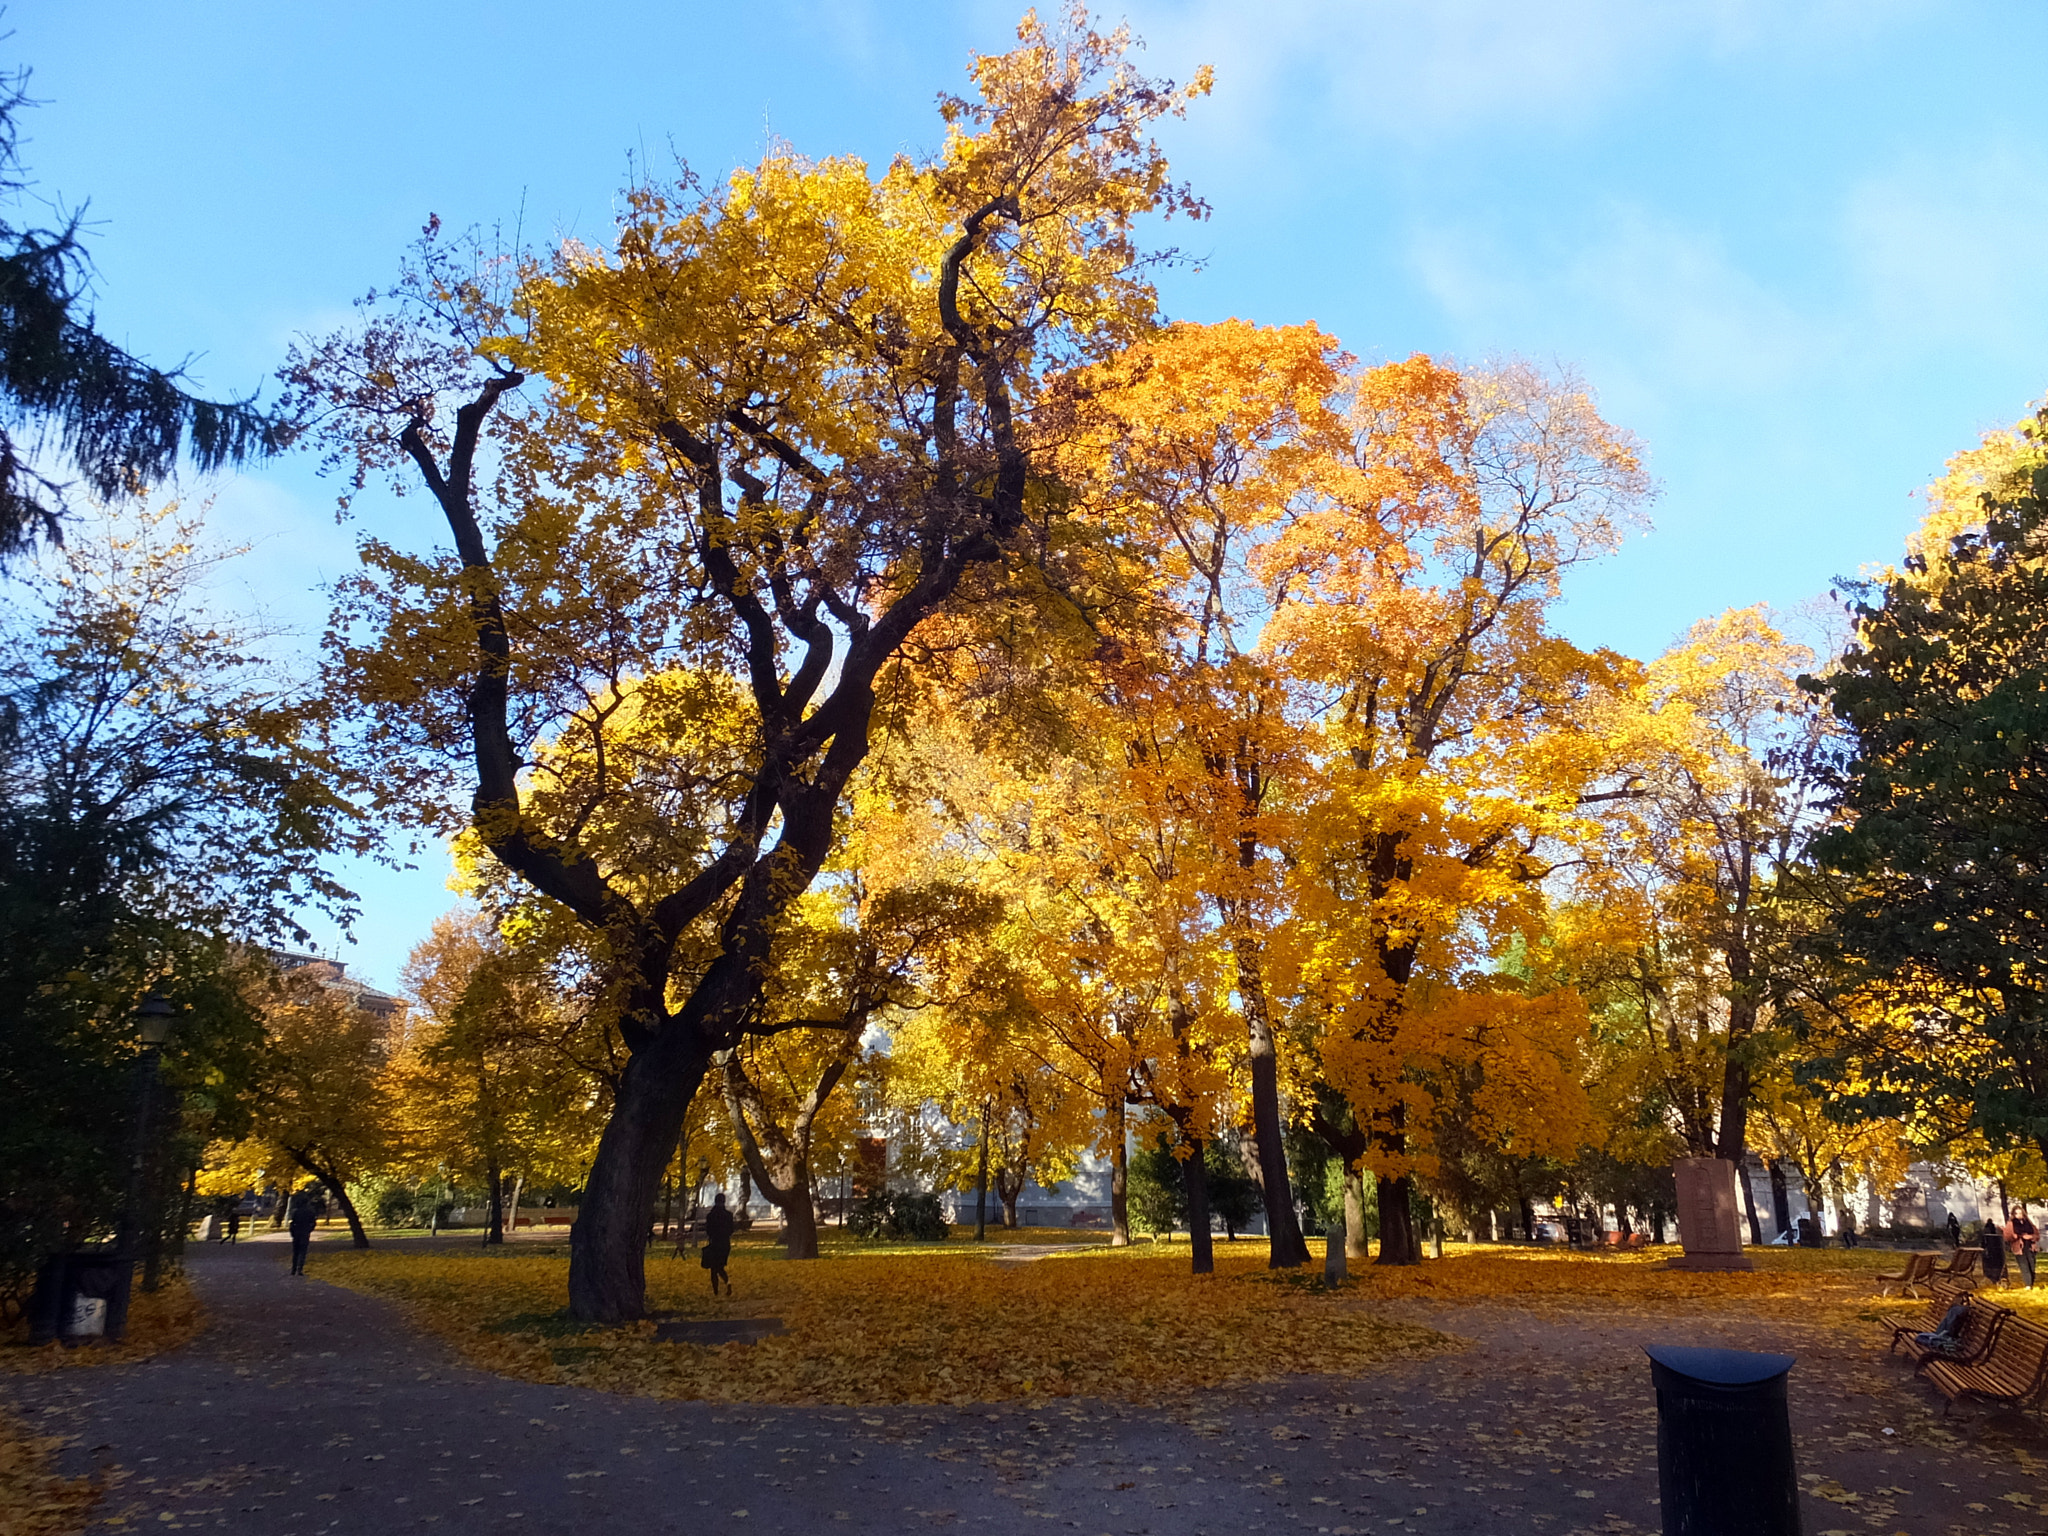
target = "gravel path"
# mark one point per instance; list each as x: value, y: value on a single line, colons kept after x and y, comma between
x: 306, y: 1408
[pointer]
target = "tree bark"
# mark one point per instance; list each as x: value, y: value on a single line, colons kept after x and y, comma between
x: 1010, y: 1185
x: 1286, y: 1247
x: 1354, y: 1216
x: 607, y: 1245
x: 1781, y: 1198
x: 1756, y: 1231
x: 1119, y: 1182
x: 1194, y: 1177
x: 1399, y: 1241
x: 494, y: 1225
x: 981, y: 1182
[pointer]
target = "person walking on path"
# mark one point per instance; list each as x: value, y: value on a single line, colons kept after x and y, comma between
x: 2021, y: 1241
x: 718, y: 1244
x: 303, y: 1220
x: 1848, y: 1228
x: 1955, y: 1231
x: 234, y: 1222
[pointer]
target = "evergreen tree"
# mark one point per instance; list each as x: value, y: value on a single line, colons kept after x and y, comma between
x: 1943, y: 861
x: 71, y: 398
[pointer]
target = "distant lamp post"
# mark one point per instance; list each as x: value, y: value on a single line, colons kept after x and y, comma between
x: 154, y: 1019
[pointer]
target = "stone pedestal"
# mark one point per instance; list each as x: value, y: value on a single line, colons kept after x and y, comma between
x: 1709, y: 1219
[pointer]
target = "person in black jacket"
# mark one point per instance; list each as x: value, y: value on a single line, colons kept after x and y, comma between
x: 1955, y: 1231
x: 304, y: 1218
x: 718, y: 1244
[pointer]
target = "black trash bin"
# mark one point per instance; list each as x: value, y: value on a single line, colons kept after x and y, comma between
x: 1724, y: 1442
x: 66, y: 1280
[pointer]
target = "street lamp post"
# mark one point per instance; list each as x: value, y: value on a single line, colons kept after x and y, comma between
x: 154, y: 1017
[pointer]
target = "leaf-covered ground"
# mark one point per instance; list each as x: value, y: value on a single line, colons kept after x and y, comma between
x: 1039, y: 1315
x: 306, y: 1406
x: 35, y: 1500
x: 938, y: 1324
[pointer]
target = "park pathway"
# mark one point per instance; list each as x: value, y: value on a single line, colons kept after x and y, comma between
x: 306, y: 1408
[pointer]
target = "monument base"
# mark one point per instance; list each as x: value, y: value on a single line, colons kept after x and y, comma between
x: 1710, y: 1261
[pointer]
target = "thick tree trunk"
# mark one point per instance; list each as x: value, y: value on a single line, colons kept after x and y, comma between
x: 1194, y: 1177
x: 1354, y: 1216
x: 1286, y: 1248
x: 1009, y: 1186
x: 1119, y: 1183
x: 494, y: 1226
x: 1399, y: 1241
x: 799, y: 1207
x: 608, y: 1244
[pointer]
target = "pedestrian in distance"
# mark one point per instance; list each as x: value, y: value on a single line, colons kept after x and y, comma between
x: 1992, y: 1241
x: 234, y: 1222
x: 304, y: 1219
x: 2022, y: 1241
x: 718, y: 1244
x: 1955, y: 1231
x: 1848, y: 1228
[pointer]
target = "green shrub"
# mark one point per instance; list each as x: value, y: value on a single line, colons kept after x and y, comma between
x: 397, y: 1206
x: 904, y: 1217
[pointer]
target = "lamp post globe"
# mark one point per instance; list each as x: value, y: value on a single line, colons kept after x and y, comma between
x: 155, y: 1017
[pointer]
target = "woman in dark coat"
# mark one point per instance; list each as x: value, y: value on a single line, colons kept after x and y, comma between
x: 718, y: 1243
x: 1992, y: 1241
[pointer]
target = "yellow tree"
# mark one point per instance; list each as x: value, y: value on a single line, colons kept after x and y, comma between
x: 785, y: 418
x: 317, y: 1101
x: 1193, y: 446
x: 1730, y: 796
x: 1465, y: 749
x: 482, y: 1088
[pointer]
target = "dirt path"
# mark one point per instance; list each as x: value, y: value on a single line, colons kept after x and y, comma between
x: 306, y: 1408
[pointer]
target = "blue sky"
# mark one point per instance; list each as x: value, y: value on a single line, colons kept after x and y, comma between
x: 1800, y: 248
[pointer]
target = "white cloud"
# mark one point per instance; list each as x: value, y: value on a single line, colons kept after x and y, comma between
x: 1425, y: 70
x: 1645, y: 299
x: 1947, y: 249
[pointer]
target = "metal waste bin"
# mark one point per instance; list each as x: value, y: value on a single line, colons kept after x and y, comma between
x: 1724, y: 1442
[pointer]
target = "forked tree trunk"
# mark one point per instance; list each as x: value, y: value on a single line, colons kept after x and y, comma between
x: 608, y: 1243
x: 1009, y: 1185
x: 1399, y: 1241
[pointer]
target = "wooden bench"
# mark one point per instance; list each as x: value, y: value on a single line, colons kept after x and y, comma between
x: 1918, y: 1271
x: 1946, y: 1292
x: 1964, y: 1261
x: 2011, y: 1375
x: 1976, y: 1338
